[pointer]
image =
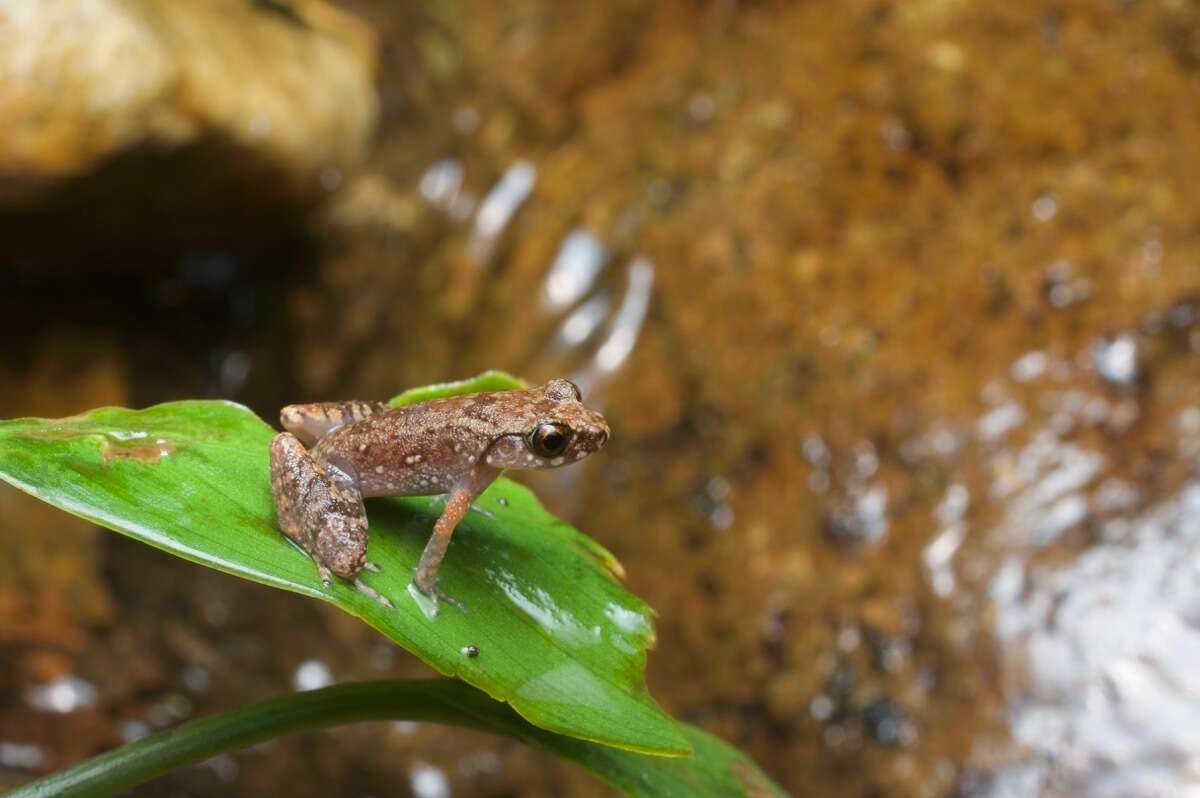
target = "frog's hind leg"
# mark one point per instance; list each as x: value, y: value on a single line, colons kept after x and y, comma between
x: 312, y: 422
x: 319, y: 508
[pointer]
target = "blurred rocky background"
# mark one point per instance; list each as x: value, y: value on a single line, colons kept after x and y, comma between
x: 894, y: 310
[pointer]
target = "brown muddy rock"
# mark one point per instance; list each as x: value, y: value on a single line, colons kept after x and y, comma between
x: 136, y: 122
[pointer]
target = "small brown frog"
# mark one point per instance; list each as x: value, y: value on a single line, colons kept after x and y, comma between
x: 457, y: 445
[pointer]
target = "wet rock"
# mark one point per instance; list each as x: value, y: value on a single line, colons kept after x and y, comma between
x: 861, y: 520
x: 787, y: 697
x: 52, y: 589
x: 1062, y: 288
x: 131, y: 122
x: 1183, y: 322
x: 888, y: 723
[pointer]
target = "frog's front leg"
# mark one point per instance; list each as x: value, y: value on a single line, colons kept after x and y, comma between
x: 319, y: 507
x: 458, y: 503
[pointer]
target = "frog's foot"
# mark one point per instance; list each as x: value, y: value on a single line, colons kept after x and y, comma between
x: 426, y: 603
x: 319, y: 508
x: 371, y: 592
x: 372, y: 567
x: 430, y: 600
x: 424, y: 582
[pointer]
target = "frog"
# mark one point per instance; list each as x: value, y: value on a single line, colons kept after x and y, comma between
x: 332, y: 455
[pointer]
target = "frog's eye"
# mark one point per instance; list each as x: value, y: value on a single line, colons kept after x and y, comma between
x: 548, y: 440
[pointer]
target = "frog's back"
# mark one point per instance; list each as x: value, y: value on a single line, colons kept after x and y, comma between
x: 411, y: 450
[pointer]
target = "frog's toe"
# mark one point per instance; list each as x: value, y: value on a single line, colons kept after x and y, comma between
x: 452, y: 601
x: 431, y: 596
x: 372, y: 567
x: 371, y: 592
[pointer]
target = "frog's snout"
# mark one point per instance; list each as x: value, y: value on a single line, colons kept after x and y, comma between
x: 595, y: 434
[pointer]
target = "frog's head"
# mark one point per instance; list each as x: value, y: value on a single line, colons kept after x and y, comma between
x: 557, y: 429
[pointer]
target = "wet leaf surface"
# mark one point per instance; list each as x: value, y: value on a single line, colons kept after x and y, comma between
x: 543, y: 623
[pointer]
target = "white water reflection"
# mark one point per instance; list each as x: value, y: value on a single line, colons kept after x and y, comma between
x: 545, y: 611
x: 442, y: 187
x: 428, y: 781
x: 627, y: 323
x: 576, y: 287
x: 1116, y: 359
x: 62, y: 695
x: 574, y: 270
x: 500, y: 205
x: 939, y: 553
x: 583, y: 323
x: 1110, y: 705
x: 441, y: 181
x: 1098, y: 647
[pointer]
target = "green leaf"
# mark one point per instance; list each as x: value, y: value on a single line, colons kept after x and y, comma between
x: 556, y: 635
x: 493, y: 380
x: 715, y: 770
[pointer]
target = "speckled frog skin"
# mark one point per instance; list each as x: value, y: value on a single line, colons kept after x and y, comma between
x: 457, y: 446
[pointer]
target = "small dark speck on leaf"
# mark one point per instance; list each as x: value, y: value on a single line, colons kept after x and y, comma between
x: 471, y: 651
x: 503, y: 502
